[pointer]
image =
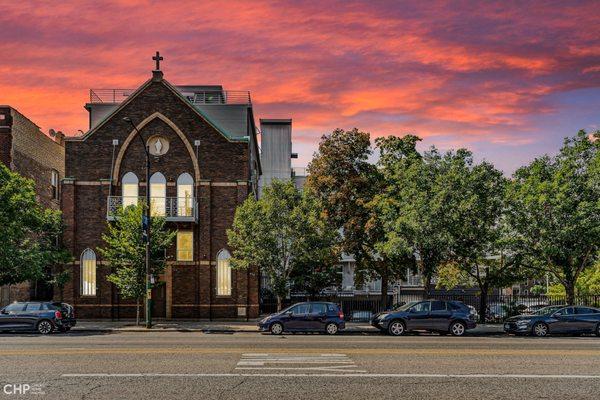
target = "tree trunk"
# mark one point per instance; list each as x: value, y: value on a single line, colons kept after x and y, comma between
x: 570, y: 291
x: 427, y: 285
x: 137, y: 311
x: 483, y: 302
x: 279, y: 301
x: 384, y: 290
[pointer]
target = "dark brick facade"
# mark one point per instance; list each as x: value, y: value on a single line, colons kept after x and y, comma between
x: 25, y: 149
x: 221, y: 184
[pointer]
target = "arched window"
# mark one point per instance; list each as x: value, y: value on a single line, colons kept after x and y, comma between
x: 130, y: 189
x: 185, y: 195
x: 158, y: 194
x: 88, y: 273
x: 223, y: 273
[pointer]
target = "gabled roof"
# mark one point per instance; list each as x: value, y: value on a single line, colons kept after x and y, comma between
x: 157, y: 78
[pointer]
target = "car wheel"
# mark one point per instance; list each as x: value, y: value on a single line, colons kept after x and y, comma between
x: 540, y: 329
x: 598, y: 330
x: 396, y: 328
x: 44, y: 327
x: 331, y: 328
x: 276, y: 328
x: 458, y: 328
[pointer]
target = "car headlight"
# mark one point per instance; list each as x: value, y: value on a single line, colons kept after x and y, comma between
x: 523, y: 322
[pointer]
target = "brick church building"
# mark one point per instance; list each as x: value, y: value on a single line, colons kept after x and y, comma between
x: 204, y: 163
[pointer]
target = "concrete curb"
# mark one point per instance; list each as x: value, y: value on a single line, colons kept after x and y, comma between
x: 491, y: 331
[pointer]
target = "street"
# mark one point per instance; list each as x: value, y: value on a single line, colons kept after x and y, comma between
x: 250, y: 365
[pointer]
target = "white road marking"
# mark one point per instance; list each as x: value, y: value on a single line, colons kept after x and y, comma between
x: 362, y: 375
x: 326, y: 362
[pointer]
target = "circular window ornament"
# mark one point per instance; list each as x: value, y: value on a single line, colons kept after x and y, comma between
x: 158, y: 145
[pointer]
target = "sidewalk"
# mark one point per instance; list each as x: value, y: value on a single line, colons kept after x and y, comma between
x: 229, y: 327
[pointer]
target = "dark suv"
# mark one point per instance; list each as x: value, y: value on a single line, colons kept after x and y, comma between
x: 430, y: 315
x: 305, y: 317
x: 44, y: 317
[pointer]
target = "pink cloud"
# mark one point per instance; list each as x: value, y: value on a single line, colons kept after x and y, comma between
x: 461, y: 71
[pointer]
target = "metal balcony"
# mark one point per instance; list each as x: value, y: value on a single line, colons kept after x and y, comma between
x: 177, y: 209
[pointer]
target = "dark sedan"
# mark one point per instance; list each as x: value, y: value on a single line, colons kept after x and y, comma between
x: 430, y: 315
x: 556, y: 319
x: 305, y: 317
x: 43, y: 317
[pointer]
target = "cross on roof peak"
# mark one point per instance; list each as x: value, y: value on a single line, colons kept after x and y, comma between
x: 158, y: 58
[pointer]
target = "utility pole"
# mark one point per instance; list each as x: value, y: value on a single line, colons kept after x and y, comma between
x: 146, y: 222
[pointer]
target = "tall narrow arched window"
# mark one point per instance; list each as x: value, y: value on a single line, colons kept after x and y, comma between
x: 158, y: 194
x: 130, y: 189
x: 185, y: 195
x: 88, y: 273
x: 223, y: 273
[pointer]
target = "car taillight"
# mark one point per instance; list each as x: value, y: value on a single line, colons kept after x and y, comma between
x: 341, y: 314
x: 57, y: 314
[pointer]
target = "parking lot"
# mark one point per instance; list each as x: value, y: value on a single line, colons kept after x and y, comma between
x: 251, y: 365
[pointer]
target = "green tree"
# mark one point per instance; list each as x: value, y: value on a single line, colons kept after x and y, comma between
x: 555, y: 211
x: 476, y: 222
x: 125, y: 252
x: 30, y: 234
x: 411, y: 206
x: 346, y: 183
x: 284, y: 235
x: 588, y: 283
x: 60, y: 280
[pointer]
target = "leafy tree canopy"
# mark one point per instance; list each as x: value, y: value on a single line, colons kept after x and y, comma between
x: 555, y: 211
x: 125, y: 250
x: 285, y: 235
x: 29, y: 232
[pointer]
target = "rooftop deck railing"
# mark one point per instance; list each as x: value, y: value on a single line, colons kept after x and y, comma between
x: 208, y: 97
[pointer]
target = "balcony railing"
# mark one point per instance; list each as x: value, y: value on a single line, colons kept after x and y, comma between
x: 182, y: 209
x: 208, y: 97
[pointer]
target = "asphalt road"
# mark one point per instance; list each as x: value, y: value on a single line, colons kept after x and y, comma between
x: 251, y: 366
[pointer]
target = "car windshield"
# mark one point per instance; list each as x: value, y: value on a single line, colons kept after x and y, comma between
x: 547, y: 310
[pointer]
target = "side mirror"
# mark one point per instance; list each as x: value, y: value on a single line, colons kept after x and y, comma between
x: 289, y: 313
x: 557, y: 314
x: 3, y: 311
x: 412, y: 310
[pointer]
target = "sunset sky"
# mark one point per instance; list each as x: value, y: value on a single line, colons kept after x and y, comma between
x: 507, y: 82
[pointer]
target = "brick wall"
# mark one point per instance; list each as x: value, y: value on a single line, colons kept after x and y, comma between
x: 220, y: 187
x: 27, y: 150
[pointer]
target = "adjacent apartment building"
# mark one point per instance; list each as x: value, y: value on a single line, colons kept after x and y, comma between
x: 25, y: 149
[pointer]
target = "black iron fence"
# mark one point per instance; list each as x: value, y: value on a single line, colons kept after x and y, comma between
x: 361, y: 307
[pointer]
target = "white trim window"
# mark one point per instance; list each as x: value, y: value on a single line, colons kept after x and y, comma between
x: 185, y: 246
x: 130, y: 189
x: 88, y: 273
x: 185, y: 195
x: 223, y: 273
x: 158, y: 194
x: 54, y: 184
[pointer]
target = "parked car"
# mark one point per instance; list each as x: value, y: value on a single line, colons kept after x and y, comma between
x: 556, y: 319
x: 430, y: 315
x: 43, y: 317
x: 305, y: 317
